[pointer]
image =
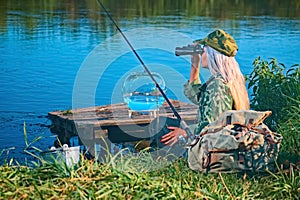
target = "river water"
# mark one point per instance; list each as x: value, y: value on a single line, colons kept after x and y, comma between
x: 60, y: 54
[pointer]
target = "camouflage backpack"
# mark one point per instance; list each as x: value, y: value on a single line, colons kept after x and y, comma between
x: 238, y: 141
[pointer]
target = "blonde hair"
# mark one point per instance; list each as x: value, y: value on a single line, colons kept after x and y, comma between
x: 229, y: 69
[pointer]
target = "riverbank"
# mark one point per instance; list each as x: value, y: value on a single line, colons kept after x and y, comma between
x: 91, y: 180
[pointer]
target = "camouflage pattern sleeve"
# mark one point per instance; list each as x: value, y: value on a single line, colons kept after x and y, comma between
x: 213, y: 98
x: 220, y: 99
x: 191, y: 91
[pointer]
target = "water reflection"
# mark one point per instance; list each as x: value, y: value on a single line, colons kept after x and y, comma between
x: 30, y: 14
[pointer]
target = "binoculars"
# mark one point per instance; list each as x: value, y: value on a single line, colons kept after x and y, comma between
x: 189, y: 50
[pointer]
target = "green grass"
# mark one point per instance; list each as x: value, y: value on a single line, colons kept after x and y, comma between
x: 91, y: 180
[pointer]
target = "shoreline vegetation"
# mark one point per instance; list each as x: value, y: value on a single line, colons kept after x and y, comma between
x: 273, y: 88
x: 131, y: 9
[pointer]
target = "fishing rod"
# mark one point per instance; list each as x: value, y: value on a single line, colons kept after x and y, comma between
x: 183, y: 124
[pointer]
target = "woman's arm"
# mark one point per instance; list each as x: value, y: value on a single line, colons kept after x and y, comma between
x: 195, y: 68
x: 192, y: 87
x: 171, y: 138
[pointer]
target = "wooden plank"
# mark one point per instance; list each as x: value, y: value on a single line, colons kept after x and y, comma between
x: 113, y: 120
x: 119, y: 112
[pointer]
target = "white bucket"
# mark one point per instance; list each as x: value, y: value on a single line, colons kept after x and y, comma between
x: 69, y: 155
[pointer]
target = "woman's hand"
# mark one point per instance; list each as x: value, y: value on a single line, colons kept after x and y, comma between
x: 171, y: 138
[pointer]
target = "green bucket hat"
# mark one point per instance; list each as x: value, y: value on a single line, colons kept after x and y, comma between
x: 220, y: 41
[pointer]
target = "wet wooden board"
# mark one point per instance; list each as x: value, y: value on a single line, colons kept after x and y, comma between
x: 113, y: 121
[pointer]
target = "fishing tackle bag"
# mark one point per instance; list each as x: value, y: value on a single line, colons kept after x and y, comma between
x: 238, y: 141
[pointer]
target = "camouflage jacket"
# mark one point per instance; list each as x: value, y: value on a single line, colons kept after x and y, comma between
x: 213, y: 98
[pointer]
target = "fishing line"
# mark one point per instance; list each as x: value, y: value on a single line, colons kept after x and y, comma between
x: 183, y: 124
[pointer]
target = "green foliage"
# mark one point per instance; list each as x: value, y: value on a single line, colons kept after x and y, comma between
x: 290, y: 131
x: 91, y: 180
x: 277, y: 89
x: 274, y: 89
x: 30, y: 148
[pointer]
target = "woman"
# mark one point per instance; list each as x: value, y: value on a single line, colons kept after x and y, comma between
x: 225, y: 90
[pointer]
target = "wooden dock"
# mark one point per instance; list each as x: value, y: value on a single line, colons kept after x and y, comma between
x: 112, y: 122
